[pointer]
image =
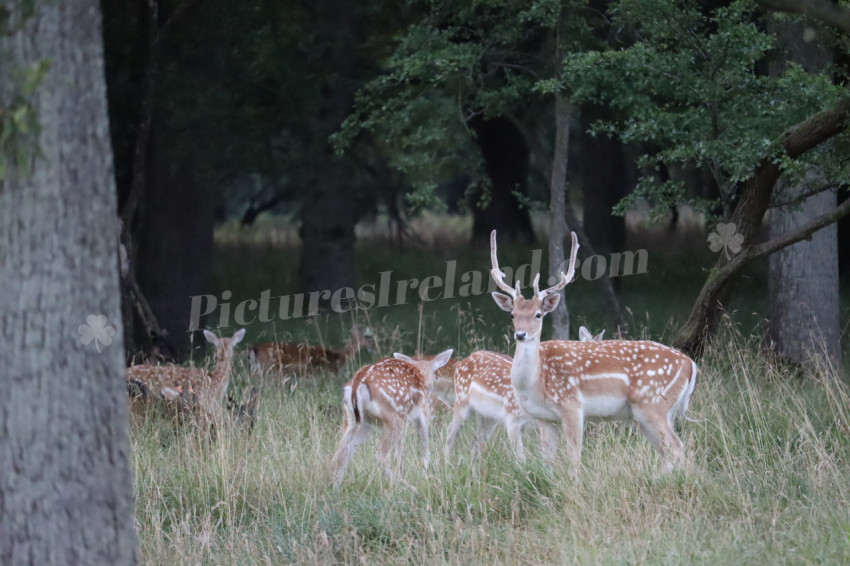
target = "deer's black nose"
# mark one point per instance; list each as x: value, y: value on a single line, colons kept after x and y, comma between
x: 520, y: 335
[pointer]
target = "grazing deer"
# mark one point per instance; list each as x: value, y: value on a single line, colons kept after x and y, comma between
x: 483, y: 386
x: 444, y: 385
x: 568, y: 381
x: 288, y: 358
x: 388, y: 394
x: 195, y: 389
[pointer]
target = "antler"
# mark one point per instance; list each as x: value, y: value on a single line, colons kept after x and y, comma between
x: 497, y: 274
x: 565, y: 278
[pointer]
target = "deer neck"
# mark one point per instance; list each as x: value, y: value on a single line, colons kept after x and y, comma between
x: 220, y: 375
x: 525, y: 371
x: 527, y: 380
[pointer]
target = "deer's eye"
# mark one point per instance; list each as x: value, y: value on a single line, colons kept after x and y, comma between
x: 538, y: 315
x: 512, y: 315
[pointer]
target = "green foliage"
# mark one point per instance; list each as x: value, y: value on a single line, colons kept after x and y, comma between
x: 19, y: 124
x: 701, y: 90
x: 459, y: 61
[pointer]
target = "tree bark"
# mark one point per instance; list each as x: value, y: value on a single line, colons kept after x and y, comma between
x: 66, y: 492
x: 803, y: 278
x: 803, y: 286
x: 506, y: 160
x: 331, y: 208
x: 747, y: 216
x: 604, y: 182
x: 558, y: 228
x: 174, y: 256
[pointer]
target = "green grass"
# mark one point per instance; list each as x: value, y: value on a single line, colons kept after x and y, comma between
x: 765, y: 481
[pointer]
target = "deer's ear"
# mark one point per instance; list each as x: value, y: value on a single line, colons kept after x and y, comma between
x: 442, y: 359
x: 550, y: 302
x: 584, y: 334
x: 240, y: 334
x: 505, y: 302
x: 404, y: 358
x: 211, y: 338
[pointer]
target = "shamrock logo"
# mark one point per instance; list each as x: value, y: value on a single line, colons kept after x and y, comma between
x: 96, y: 330
x: 726, y: 237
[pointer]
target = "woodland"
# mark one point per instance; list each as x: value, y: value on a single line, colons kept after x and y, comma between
x: 180, y: 177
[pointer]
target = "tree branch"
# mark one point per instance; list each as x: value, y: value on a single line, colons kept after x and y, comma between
x: 754, y: 252
x: 800, y: 198
x: 822, y: 10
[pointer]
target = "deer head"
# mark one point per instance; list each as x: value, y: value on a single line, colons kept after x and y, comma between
x: 528, y: 313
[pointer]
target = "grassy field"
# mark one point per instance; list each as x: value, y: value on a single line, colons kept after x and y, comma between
x: 767, y: 477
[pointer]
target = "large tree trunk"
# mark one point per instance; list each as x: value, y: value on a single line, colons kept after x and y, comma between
x: 66, y: 488
x: 558, y: 210
x: 803, y: 278
x: 175, y: 243
x: 844, y: 238
x: 803, y: 285
x: 328, y: 218
x: 506, y: 160
x: 331, y: 210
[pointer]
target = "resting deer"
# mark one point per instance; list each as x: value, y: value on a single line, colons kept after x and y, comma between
x: 483, y: 386
x: 568, y: 381
x: 387, y: 394
x: 195, y: 389
x: 288, y: 358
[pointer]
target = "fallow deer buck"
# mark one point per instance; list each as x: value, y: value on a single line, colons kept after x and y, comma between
x: 195, y: 389
x: 483, y: 386
x: 568, y: 381
x: 387, y: 394
x: 288, y: 358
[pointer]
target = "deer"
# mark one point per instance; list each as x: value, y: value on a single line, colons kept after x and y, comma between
x: 483, y: 386
x: 288, y: 358
x: 444, y: 384
x: 585, y: 335
x: 387, y: 394
x: 194, y: 389
x: 568, y: 381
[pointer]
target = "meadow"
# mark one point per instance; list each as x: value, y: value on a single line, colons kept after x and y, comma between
x: 765, y: 480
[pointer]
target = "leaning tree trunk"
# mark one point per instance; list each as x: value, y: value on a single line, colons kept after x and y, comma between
x: 755, y: 195
x: 803, y: 278
x: 66, y: 492
x: 506, y: 160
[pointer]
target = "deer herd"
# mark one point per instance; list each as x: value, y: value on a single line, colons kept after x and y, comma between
x: 554, y: 385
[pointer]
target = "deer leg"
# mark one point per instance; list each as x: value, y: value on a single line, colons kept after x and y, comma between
x: 656, y: 427
x: 482, y: 435
x: 353, y: 437
x: 393, y: 434
x: 573, y: 424
x: 421, y: 422
x: 460, y: 414
x: 548, y: 441
x: 514, y: 428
